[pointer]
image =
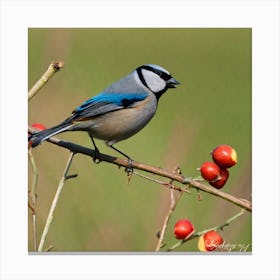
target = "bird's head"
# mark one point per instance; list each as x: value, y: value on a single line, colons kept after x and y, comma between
x: 156, y: 78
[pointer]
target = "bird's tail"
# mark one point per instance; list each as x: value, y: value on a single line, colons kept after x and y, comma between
x: 38, y: 137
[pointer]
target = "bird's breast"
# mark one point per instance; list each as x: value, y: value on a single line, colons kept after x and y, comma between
x: 121, y: 124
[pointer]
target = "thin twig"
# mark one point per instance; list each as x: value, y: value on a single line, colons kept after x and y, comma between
x: 167, y: 218
x: 243, y: 203
x: 173, y: 204
x: 33, y: 195
x: 168, y: 185
x: 216, y: 228
x: 52, y: 69
x: 54, y: 203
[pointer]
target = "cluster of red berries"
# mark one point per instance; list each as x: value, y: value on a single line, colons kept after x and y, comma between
x: 209, y: 241
x: 216, y: 173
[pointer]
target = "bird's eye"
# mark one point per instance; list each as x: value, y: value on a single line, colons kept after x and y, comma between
x: 165, y: 76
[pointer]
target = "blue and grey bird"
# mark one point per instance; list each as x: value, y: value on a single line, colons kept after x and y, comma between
x: 118, y: 112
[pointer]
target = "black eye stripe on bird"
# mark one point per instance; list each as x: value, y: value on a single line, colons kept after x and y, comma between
x: 164, y: 75
x: 118, y: 112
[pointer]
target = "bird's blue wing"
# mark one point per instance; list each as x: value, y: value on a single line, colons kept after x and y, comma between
x: 105, y: 103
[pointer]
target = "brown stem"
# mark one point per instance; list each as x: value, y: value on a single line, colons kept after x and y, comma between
x: 245, y: 204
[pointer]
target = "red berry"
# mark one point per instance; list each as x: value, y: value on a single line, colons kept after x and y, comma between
x: 225, y: 156
x: 209, y: 171
x: 212, y: 240
x: 222, y: 179
x: 183, y: 229
x: 38, y: 126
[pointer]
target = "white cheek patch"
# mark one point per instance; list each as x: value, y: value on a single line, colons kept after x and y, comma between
x: 154, y: 82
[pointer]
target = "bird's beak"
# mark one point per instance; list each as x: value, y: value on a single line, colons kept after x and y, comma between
x: 172, y: 83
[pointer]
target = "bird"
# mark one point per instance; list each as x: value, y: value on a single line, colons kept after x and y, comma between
x: 119, y: 111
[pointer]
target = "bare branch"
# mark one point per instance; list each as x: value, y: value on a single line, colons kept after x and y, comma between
x: 52, y: 69
x: 245, y: 204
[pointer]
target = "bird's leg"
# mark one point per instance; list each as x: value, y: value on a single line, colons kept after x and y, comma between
x: 96, y: 151
x: 129, y: 168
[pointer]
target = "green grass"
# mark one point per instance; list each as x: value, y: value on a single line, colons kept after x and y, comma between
x: 99, y: 210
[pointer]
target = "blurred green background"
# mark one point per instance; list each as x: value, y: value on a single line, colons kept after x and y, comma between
x: 99, y: 210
